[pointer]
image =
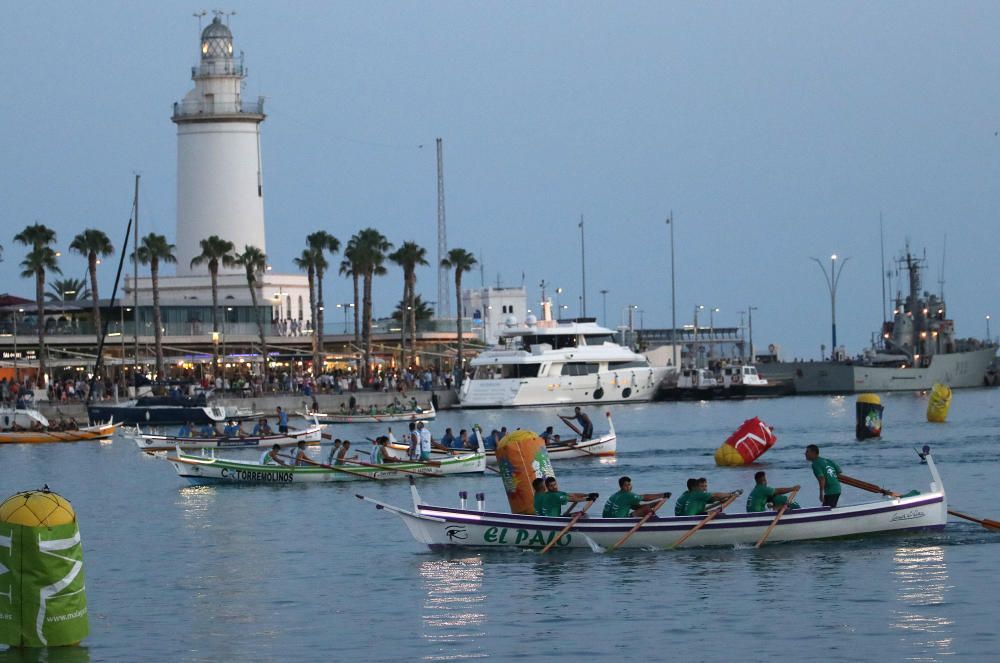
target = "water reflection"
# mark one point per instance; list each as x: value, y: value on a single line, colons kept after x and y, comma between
x: 45, y: 655
x: 922, y: 582
x: 454, y: 617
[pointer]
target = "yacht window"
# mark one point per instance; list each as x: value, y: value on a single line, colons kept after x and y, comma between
x: 579, y: 368
x: 622, y: 365
x: 598, y: 339
x: 521, y: 370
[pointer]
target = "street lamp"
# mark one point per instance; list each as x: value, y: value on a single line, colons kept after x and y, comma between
x: 988, y: 337
x: 711, y: 330
x: 559, y: 309
x: 832, y: 279
x: 345, y: 306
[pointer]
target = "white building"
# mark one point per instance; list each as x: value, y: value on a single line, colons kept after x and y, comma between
x: 220, y: 192
x: 489, y: 308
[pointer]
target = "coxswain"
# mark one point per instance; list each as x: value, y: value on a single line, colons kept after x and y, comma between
x: 282, y: 420
x: 272, y: 456
x: 763, y: 495
x: 699, y: 499
x: 552, y: 499
x: 625, y: 502
x: 827, y: 474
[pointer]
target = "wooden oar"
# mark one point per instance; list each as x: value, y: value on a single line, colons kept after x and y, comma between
x: 864, y: 485
x: 340, y: 469
x: 985, y: 522
x: 707, y: 519
x: 390, y: 468
x: 568, y: 527
x: 572, y: 426
x: 777, y: 517
x: 639, y: 524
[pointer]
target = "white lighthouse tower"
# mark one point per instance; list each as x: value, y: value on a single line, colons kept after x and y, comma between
x: 219, y: 181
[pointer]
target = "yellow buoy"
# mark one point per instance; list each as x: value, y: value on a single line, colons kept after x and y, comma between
x: 939, y: 403
x: 37, y: 508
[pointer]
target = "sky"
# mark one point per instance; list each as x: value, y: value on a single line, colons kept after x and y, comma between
x: 773, y: 131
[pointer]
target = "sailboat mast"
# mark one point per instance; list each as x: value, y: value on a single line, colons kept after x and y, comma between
x: 881, y: 232
x: 135, y: 287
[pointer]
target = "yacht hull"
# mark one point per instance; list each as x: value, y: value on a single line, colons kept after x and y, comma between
x: 637, y: 385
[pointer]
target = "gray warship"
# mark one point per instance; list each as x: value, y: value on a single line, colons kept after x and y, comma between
x: 917, y: 348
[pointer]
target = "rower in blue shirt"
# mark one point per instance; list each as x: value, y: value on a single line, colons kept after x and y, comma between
x: 186, y: 430
x: 208, y: 430
x: 231, y: 430
x: 262, y: 428
x: 282, y: 420
x: 448, y: 439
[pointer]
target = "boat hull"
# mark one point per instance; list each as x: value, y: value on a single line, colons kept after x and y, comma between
x: 208, y: 470
x: 601, y: 447
x: 335, y: 418
x: 636, y: 385
x: 85, y: 434
x: 149, y: 442
x: 957, y: 370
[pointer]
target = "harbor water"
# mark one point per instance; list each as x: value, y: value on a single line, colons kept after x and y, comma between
x: 304, y: 573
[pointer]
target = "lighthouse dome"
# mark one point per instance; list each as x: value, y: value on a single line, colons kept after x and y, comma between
x: 216, y: 40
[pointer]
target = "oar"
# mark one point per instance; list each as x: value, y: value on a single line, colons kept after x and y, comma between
x: 639, y: 524
x: 568, y: 527
x: 777, y: 517
x: 707, y: 519
x: 572, y: 426
x: 390, y: 468
x: 340, y: 469
x: 864, y: 485
x: 985, y: 522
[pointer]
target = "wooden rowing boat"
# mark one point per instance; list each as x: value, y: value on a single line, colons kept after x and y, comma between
x: 599, y: 447
x: 84, y: 434
x: 208, y: 470
x: 154, y: 442
x: 377, y: 418
x: 443, y: 527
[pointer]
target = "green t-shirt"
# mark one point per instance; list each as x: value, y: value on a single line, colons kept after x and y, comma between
x: 538, y: 503
x: 681, y: 504
x: 759, y: 497
x: 696, y: 502
x: 550, y: 504
x: 621, y: 504
x: 822, y: 467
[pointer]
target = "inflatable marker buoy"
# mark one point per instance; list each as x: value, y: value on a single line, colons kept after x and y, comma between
x: 42, y: 592
x: 868, y: 417
x: 939, y: 403
x: 746, y: 445
x: 521, y: 458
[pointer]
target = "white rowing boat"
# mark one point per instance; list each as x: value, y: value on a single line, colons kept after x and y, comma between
x: 155, y: 442
x: 208, y: 469
x: 387, y: 417
x: 442, y: 527
x: 604, y: 446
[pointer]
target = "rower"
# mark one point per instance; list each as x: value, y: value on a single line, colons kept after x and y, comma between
x: 681, y: 504
x: 342, y: 456
x: 301, y: 457
x: 231, y: 430
x: 448, y: 439
x: 282, y: 420
x: 272, y: 456
x: 625, y: 501
x: 538, y: 485
x: 186, y: 430
x: 763, y: 495
x: 551, y: 501
x: 209, y: 430
x: 586, y: 425
x: 465, y: 442
x: 547, y: 434
x: 699, y: 499
x: 333, y: 452
x: 262, y: 429
x: 826, y: 473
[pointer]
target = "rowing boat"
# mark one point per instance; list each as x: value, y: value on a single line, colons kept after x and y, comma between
x: 603, y: 446
x: 84, y: 434
x: 154, y: 442
x: 442, y: 527
x: 368, y: 418
x: 208, y: 470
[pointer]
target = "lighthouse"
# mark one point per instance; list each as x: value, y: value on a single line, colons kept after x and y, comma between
x: 220, y: 189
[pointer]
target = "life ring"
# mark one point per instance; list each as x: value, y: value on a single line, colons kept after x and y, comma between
x: 736, y: 378
x: 626, y: 392
x: 599, y: 393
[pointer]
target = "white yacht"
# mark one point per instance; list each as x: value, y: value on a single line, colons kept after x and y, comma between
x: 548, y: 362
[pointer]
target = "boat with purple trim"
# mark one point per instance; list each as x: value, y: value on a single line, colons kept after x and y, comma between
x: 443, y: 528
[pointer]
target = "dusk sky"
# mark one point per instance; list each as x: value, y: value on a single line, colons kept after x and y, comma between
x: 774, y: 131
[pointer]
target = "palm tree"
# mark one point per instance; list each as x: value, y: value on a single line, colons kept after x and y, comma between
x: 409, y: 256
x: 254, y: 262
x: 307, y: 262
x: 419, y: 309
x: 154, y: 250
x: 461, y: 261
x: 321, y: 241
x: 214, y: 250
x: 41, y: 258
x: 349, y: 267
x: 93, y: 243
x: 67, y: 290
x: 371, y: 248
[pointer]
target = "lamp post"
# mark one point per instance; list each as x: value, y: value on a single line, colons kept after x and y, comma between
x: 17, y: 368
x: 711, y: 330
x: 694, y: 345
x: 345, y: 306
x: 750, y: 310
x: 832, y: 279
x: 988, y: 337
x: 558, y: 307
x: 604, y: 306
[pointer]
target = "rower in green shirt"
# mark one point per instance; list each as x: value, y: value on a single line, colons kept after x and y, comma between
x: 699, y: 499
x: 550, y: 502
x: 681, y: 504
x: 762, y: 495
x: 625, y: 503
x: 538, y: 485
x: 826, y: 472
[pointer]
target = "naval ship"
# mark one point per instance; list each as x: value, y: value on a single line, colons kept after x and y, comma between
x: 916, y: 348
